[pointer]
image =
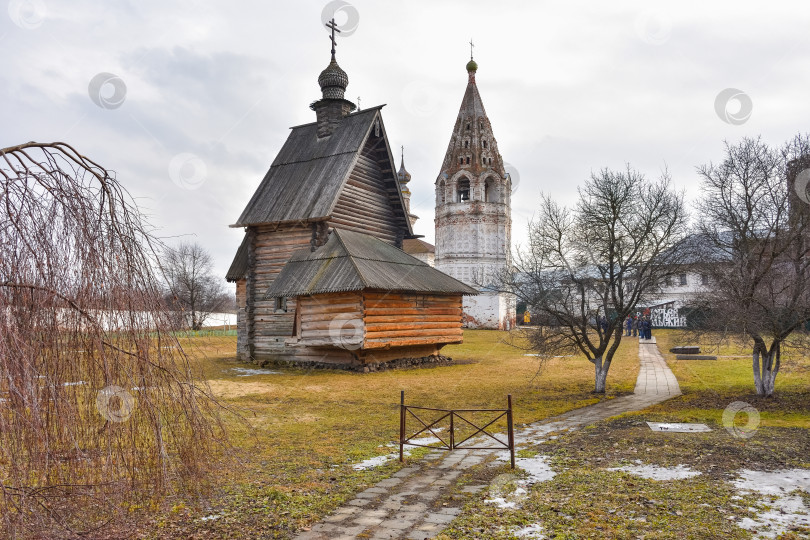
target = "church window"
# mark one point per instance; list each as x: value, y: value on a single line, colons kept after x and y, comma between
x: 468, y: 126
x: 280, y: 305
x: 441, y: 192
x: 490, y: 161
x: 682, y: 278
x: 483, y: 161
x: 466, y: 144
x: 704, y: 278
x: 490, y: 191
x: 468, y: 160
x: 463, y: 190
x: 461, y: 161
x: 484, y: 143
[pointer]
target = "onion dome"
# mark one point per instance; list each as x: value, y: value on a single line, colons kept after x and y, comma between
x: 472, y: 65
x: 403, y: 176
x: 333, y: 81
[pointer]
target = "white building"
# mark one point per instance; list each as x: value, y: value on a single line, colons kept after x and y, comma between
x: 473, y: 217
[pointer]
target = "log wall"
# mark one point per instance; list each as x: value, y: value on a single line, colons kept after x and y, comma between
x: 410, y: 320
x: 268, y: 252
x: 365, y: 204
x: 241, y: 334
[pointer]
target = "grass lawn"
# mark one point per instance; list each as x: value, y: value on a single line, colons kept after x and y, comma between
x: 300, y: 431
x: 587, y: 500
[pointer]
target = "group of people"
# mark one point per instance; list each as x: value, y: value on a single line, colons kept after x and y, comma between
x: 638, y: 326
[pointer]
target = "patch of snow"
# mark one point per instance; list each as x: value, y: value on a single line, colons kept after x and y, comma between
x: 538, y: 470
x: 212, y: 517
x: 77, y: 383
x: 532, y: 531
x: 783, y: 508
x: 370, y: 463
x: 676, y: 427
x: 508, y: 501
x: 654, y: 472
x: 247, y: 372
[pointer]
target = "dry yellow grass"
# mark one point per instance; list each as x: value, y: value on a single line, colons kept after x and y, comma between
x: 302, y: 429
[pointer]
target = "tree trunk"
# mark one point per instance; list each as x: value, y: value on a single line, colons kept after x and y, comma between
x: 601, y: 371
x: 766, y: 366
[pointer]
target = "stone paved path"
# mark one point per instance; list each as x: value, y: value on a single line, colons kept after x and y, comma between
x: 404, y: 506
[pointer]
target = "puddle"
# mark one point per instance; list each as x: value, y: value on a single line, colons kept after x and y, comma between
x: 248, y: 372
x: 654, y: 472
x: 783, y: 507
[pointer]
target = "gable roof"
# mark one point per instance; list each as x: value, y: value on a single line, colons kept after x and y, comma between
x: 308, y: 174
x: 415, y: 245
x: 352, y: 261
x: 238, y: 268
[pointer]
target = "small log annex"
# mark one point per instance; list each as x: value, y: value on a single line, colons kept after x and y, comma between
x: 320, y: 274
x: 362, y: 301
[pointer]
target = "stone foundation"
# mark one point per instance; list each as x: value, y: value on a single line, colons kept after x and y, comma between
x: 400, y: 363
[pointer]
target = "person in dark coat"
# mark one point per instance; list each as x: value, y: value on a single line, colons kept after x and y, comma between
x: 628, y: 324
x: 646, y: 328
x: 603, y: 324
x: 635, y: 326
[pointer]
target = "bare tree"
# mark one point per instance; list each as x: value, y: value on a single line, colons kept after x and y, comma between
x: 193, y: 288
x: 98, y: 404
x: 587, y: 268
x: 751, y: 215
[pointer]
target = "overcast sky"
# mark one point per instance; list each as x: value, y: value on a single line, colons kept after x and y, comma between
x: 198, y: 96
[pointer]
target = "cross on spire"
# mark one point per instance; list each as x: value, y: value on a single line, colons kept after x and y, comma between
x: 471, y: 48
x: 403, y: 153
x: 331, y: 24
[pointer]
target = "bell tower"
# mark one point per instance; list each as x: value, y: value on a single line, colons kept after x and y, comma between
x: 473, y: 215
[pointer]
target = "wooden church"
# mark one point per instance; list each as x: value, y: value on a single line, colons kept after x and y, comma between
x: 320, y: 276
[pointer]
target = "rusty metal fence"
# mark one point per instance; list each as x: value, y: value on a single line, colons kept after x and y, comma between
x: 455, y: 416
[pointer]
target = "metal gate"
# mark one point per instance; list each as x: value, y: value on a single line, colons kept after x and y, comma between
x: 456, y: 416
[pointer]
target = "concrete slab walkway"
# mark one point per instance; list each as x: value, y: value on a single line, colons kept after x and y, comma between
x: 404, y: 506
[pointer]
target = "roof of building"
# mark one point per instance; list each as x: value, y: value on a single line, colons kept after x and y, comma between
x: 415, y: 245
x: 308, y: 174
x: 699, y: 248
x: 352, y: 261
x: 459, y: 150
x: 239, y: 265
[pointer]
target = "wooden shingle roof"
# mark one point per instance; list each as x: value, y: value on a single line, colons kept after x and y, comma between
x: 352, y: 261
x: 308, y: 174
x: 238, y: 268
